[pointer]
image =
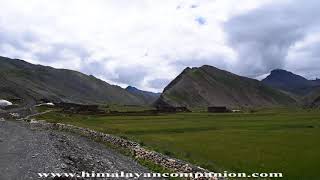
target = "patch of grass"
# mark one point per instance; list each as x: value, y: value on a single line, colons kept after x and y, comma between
x: 156, y: 168
x: 268, y: 140
x: 45, y: 108
x: 168, y: 153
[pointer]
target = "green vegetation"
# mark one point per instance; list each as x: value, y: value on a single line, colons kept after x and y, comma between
x: 156, y: 168
x: 281, y: 140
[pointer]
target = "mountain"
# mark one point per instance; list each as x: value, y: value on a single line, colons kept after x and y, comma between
x: 316, y: 102
x: 313, y: 98
x: 316, y: 82
x: 210, y: 86
x: 147, y: 97
x: 290, y: 82
x: 28, y: 83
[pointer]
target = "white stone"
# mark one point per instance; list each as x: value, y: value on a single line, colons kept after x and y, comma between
x: 15, y: 115
x: 4, y: 103
x: 45, y: 104
x: 50, y: 104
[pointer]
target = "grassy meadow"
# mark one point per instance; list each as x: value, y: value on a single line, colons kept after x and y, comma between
x: 281, y: 140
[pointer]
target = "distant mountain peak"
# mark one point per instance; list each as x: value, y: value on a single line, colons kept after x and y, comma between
x: 288, y: 81
x: 148, y: 97
x: 137, y: 89
x: 286, y: 73
x: 132, y: 88
x: 279, y: 70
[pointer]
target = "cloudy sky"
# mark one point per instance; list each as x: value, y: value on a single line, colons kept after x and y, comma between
x: 147, y: 43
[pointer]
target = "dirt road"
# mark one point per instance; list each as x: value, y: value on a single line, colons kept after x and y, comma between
x: 26, y: 151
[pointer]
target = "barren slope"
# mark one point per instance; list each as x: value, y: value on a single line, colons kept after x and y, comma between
x: 209, y: 86
x: 30, y: 83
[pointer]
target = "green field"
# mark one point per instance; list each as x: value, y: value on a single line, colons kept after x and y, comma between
x: 282, y: 140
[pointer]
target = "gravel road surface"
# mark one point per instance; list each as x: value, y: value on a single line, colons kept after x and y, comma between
x: 26, y: 151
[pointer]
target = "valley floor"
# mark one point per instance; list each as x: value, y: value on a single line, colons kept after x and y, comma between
x: 278, y: 140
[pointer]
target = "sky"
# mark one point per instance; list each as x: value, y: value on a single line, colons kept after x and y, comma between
x: 147, y: 43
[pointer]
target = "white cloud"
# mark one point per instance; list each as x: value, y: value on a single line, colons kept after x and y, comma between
x: 304, y: 56
x: 140, y: 43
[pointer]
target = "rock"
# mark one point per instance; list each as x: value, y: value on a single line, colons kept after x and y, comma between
x: 63, y: 166
x: 15, y: 115
x: 4, y: 103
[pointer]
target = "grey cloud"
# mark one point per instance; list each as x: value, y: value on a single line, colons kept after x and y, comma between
x: 95, y: 68
x: 159, y: 83
x: 308, y: 63
x: 201, y: 20
x: 21, y: 42
x: 262, y: 37
x: 215, y: 60
x: 17, y: 40
x: 130, y: 75
x: 313, y: 50
x: 57, y: 52
x: 194, y: 6
x: 133, y: 76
